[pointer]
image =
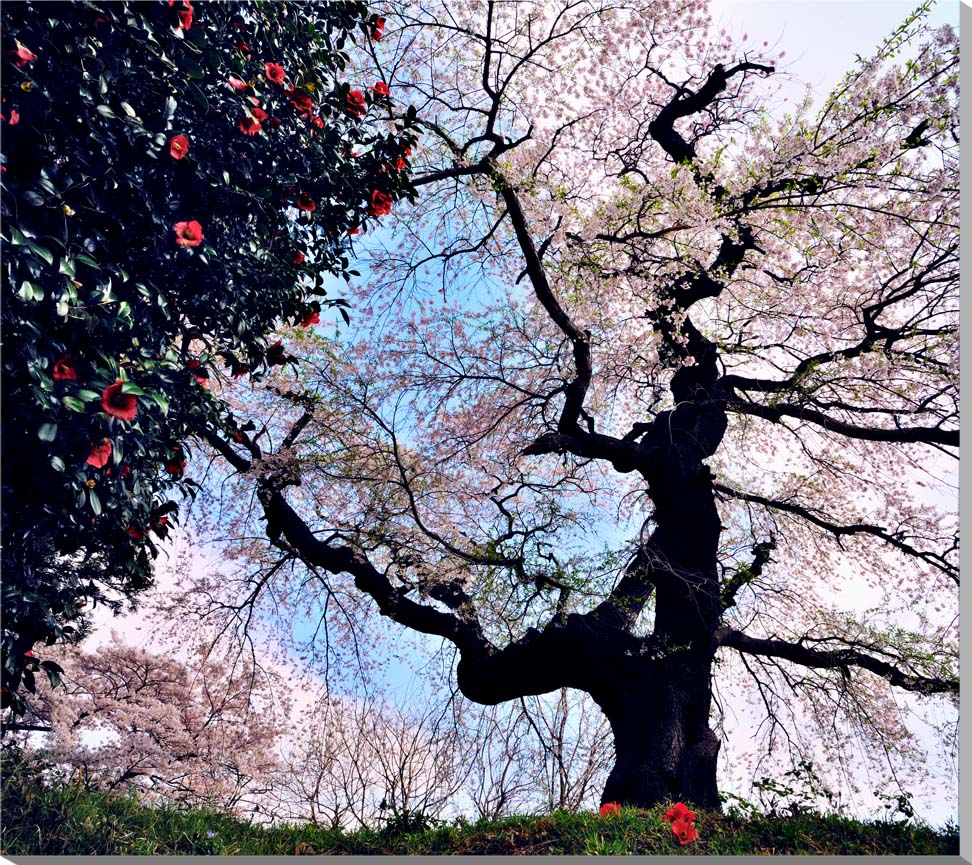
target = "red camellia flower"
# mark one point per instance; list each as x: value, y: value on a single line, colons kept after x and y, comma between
x: 299, y: 258
x: 381, y: 203
x: 238, y: 437
x: 188, y: 233
x: 64, y: 370
x: 378, y: 29
x: 22, y: 55
x: 123, y: 406
x: 14, y: 118
x: 355, y: 103
x: 679, y: 811
x: 185, y: 14
x: 684, y: 831
x: 381, y: 89
x: 305, y: 202
x: 259, y: 113
x: 100, y: 454
x: 609, y: 808
x: 311, y: 318
x: 250, y: 125
x: 238, y: 85
x: 275, y: 354
x: 175, y: 467
x: 317, y: 121
x: 274, y: 72
x: 134, y: 533
x: 178, y: 146
x: 302, y: 102
x: 124, y: 470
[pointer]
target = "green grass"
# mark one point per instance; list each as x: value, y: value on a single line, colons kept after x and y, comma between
x: 62, y: 820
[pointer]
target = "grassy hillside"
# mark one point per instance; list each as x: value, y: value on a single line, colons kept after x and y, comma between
x: 39, y: 820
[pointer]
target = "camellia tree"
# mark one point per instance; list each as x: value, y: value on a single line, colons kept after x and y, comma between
x: 176, y: 182
x: 651, y: 376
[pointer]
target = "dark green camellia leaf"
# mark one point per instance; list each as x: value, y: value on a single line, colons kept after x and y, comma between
x: 129, y: 147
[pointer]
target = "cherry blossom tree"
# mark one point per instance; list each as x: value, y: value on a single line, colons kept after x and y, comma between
x: 205, y: 732
x: 650, y: 376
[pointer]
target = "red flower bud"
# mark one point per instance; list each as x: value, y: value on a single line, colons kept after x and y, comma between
x: 22, y: 55
x: 64, y: 370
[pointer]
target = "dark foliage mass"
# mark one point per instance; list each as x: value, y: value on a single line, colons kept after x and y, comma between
x: 176, y: 181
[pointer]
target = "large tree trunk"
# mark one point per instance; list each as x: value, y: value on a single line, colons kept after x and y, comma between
x: 665, y: 750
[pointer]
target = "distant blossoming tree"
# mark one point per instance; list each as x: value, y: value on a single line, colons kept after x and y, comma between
x: 204, y: 732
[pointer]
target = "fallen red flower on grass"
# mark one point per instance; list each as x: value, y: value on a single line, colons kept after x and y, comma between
x: 682, y: 819
x: 684, y: 831
x: 609, y: 808
x: 679, y: 811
